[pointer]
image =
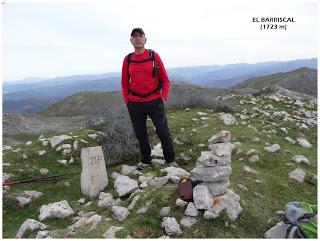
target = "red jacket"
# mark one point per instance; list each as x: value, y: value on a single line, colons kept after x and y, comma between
x: 140, y: 79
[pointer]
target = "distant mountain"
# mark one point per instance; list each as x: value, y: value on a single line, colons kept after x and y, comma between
x: 61, y: 88
x: 27, y: 105
x: 220, y: 76
x: 303, y: 80
x: 232, y: 74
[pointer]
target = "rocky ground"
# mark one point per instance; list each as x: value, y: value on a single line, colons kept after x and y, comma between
x: 267, y: 158
x: 17, y: 124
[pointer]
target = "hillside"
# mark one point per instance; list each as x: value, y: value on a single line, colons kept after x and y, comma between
x: 84, y: 103
x: 27, y: 105
x: 302, y: 80
x: 96, y: 103
x: 260, y: 177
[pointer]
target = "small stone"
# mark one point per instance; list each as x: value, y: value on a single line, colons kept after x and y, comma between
x: 121, y: 213
x: 210, y: 215
x: 33, y: 194
x: 247, y: 169
x: 191, y: 210
x: 44, y: 171
x: 23, y: 201
x: 290, y: 140
x: 142, y: 210
x: 300, y: 158
x: 133, y: 202
x: 188, y: 221
x: 298, y: 175
x: 30, y: 224
x: 55, y: 210
x: 111, y: 232
x: 171, y: 226
x: 222, y: 136
x: 158, y: 162
x: 273, y: 148
x: 165, y: 211
x: 64, y: 162
x: 41, y: 153
x: 304, y: 143
x: 254, y: 158
x: 181, y: 203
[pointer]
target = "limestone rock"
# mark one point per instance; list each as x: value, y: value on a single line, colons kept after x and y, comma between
x: 290, y: 140
x: 230, y: 202
x: 300, y: 158
x: 158, y: 162
x: 191, y: 210
x: 127, y: 170
x: 304, y: 143
x: 106, y: 200
x: 165, y: 211
x: 222, y: 136
x: 58, y: 139
x: 46, y: 234
x: 30, y: 224
x: 111, y: 232
x: 188, y: 221
x: 209, y: 159
x: 277, y: 231
x: 202, y: 197
x: 23, y: 201
x: 210, y: 215
x: 33, y: 194
x: 44, y: 171
x: 217, y: 188
x: 158, y: 181
x: 125, y: 185
x: 222, y: 149
x: 211, y: 174
x: 227, y: 119
x: 175, y: 171
x: 157, y: 151
x: 181, y: 203
x: 298, y: 175
x: 93, y: 221
x: 171, y: 226
x: 273, y: 148
x: 55, y: 210
x: 133, y: 202
x: 121, y: 213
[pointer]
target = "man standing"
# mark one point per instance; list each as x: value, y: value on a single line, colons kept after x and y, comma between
x: 145, y: 85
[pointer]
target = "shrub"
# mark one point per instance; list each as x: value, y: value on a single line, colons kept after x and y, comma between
x: 119, y: 141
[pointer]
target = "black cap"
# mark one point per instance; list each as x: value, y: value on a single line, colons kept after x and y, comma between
x: 137, y: 30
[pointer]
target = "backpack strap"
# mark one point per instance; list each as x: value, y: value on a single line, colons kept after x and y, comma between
x: 151, y: 56
x: 129, y: 56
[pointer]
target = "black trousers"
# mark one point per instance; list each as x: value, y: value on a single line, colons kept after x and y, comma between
x: 155, y: 110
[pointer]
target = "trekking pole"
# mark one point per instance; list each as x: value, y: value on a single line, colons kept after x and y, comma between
x: 41, y: 179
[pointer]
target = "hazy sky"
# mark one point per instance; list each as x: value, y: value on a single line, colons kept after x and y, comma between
x: 49, y: 39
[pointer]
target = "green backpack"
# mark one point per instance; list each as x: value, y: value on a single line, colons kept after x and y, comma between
x: 301, y: 220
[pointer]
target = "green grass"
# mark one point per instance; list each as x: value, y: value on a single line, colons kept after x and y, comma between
x: 258, y: 212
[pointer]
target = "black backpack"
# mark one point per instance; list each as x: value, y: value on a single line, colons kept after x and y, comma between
x: 154, y: 72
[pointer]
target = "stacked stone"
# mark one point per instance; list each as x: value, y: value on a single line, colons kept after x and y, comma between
x: 213, y: 170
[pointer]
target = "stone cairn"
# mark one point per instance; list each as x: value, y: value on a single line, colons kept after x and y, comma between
x: 212, y: 171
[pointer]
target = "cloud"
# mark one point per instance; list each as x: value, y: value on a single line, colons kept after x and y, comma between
x: 88, y: 37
